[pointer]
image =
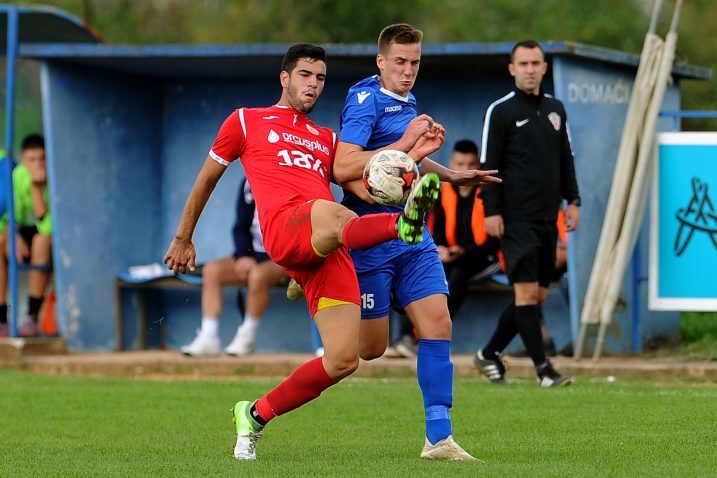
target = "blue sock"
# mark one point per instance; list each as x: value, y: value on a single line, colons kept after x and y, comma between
x: 435, y: 377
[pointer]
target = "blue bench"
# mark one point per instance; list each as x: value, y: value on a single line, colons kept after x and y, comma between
x: 140, y: 285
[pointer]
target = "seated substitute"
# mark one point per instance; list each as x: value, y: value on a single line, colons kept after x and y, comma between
x: 249, y: 266
x: 33, y: 244
x: 458, y: 229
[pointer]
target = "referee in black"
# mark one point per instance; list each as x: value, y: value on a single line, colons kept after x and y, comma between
x: 525, y: 137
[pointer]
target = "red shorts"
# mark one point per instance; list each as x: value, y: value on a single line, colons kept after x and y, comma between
x: 288, y: 242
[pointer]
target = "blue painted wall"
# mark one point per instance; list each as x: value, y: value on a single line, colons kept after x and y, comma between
x: 596, y: 96
x: 124, y: 150
x: 104, y: 147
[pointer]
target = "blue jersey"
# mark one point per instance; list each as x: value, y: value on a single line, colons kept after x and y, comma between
x: 372, y: 118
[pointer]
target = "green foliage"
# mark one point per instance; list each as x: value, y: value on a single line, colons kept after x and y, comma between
x: 77, y: 427
x: 696, y: 45
x: 611, y: 23
x: 615, y: 24
x: 28, y: 114
x: 696, y: 326
x: 699, y: 335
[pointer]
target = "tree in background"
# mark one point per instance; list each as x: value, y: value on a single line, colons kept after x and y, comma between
x: 617, y: 24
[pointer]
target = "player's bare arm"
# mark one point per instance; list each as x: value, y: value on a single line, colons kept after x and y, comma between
x: 181, y: 255
x: 39, y: 205
x: 468, y: 177
x: 351, y: 158
x: 357, y: 188
x: 38, y: 174
x: 22, y: 249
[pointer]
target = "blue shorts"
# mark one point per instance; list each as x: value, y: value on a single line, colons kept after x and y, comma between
x: 413, y: 274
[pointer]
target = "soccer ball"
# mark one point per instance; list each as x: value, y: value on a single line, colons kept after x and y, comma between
x: 389, y: 175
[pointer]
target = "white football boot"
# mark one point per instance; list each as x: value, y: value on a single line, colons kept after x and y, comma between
x: 446, y: 449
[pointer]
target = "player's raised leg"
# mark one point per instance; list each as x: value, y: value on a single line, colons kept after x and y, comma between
x: 419, y: 202
x: 333, y: 226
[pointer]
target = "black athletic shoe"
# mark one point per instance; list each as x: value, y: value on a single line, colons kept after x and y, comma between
x: 548, y: 377
x: 494, y: 369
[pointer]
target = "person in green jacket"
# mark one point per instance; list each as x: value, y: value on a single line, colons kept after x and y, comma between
x: 33, y: 229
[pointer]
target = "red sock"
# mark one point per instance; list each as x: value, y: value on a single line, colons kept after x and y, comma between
x: 305, y: 384
x: 367, y: 231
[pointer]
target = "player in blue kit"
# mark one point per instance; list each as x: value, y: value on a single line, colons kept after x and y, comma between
x: 380, y: 113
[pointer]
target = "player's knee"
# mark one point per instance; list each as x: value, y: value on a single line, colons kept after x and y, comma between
x: 344, y: 215
x: 371, y: 352
x: 258, y: 279
x: 341, y: 366
x: 445, y: 327
x: 211, y: 272
x: 440, y: 328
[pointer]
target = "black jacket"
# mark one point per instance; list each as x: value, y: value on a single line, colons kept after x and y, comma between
x: 525, y: 137
x: 246, y: 233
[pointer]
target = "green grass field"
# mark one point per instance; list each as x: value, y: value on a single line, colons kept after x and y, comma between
x: 75, y: 427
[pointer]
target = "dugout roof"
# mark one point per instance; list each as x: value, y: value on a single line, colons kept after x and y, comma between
x: 260, y: 60
x: 43, y: 24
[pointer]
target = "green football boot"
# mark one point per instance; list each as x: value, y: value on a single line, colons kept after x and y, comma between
x: 419, y: 203
x: 248, y: 432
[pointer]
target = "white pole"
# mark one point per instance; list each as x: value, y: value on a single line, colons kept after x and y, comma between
x: 642, y: 88
x: 638, y: 194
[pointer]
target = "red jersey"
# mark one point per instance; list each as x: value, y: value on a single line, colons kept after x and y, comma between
x: 286, y: 157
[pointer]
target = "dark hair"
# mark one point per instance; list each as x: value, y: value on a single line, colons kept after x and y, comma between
x: 401, y: 33
x: 465, y: 146
x: 299, y: 51
x: 526, y: 44
x: 31, y: 141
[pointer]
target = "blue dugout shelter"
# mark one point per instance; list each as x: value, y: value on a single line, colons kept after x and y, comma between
x: 128, y: 127
x: 24, y: 26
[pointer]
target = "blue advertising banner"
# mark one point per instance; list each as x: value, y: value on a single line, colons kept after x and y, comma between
x: 683, y: 232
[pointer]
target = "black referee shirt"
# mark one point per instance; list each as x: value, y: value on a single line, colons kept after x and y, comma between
x: 525, y: 137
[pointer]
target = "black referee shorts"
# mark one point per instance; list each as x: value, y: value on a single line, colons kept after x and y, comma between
x: 529, y: 250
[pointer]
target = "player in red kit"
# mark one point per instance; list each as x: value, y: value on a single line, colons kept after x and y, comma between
x: 288, y: 161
